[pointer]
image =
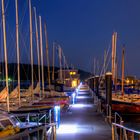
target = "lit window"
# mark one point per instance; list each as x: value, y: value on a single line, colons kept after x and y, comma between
x: 74, y: 83
x: 74, y: 73
x: 71, y: 73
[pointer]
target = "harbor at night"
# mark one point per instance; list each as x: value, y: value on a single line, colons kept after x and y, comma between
x: 69, y: 70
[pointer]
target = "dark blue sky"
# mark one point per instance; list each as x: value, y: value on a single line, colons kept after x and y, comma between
x: 84, y: 28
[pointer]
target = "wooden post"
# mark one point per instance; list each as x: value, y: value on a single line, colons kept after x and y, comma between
x: 31, y: 49
x: 38, y: 54
x: 41, y: 47
x: 47, y: 53
x: 53, y: 61
x: 5, y: 52
x: 123, y: 72
x: 17, y: 46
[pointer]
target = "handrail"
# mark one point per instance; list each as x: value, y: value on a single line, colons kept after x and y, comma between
x: 124, y: 133
x: 117, y: 114
x: 126, y: 128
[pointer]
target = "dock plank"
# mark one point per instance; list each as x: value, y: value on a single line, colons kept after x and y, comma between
x: 83, y: 122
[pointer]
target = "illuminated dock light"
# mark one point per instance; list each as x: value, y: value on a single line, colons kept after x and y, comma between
x: 57, y: 115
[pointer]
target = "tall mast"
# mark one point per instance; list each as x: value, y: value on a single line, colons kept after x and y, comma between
x: 53, y: 61
x: 37, y: 43
x: 60, y: 62
x: 17, y: 46
x: 123, y: 72
x: 47, y: 53
x: 31, y: 47
x: 94, y: 66
x: 114, y: 41
x: 5, y: 53
x: 64, y: 59
x: 105, y: 57
x: 41, y: 47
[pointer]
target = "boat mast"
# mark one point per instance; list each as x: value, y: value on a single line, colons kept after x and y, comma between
x: 94, y: 66
x: 5, y: 53
x: 60, y: 62
x: 41, y: 47
x: 37, y: 43
x: 123, y: 72
x: 114, y: 41
x: 105, y: 57
x: 53, y: 61
x: 17, y: 46
x: 47, y: 53
x: 31, y: 48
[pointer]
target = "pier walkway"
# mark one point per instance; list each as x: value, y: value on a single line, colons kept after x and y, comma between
x: 83, y: 122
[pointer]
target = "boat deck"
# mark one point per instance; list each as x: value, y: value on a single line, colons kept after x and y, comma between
x: 83, y: 122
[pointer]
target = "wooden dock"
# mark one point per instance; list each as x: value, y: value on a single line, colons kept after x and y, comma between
x: 83, y: 122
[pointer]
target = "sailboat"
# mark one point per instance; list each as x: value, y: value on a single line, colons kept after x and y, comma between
x: 125, y: 103
x: 121, y: 102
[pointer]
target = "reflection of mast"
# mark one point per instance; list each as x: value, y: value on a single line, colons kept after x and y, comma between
x: 47, y: 53
x: 17, y: 46
x: 123, y: 72
x: 114, y: 41
x: 5, y: 53
x: 31, y: 48
x: 41, y: 47
x: 37, y: 43
x: 53, y: 61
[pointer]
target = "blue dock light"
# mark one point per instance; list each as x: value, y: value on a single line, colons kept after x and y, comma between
x: 73, y: 98
x: 57, y: 115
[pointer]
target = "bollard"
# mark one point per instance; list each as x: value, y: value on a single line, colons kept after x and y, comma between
x: 108, y: 79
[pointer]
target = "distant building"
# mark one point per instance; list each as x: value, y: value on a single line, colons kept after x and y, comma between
x: 69, y: 77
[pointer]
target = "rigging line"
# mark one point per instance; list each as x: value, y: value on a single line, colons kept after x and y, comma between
x: 24, y: 13
x: 11, y: 41
x: 24, y: 43
x: 104, y: 67
x: 35, y: 72
x: 6, y: 6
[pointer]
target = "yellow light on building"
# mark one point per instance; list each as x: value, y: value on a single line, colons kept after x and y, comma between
x: 127, y: 81
x: 74, y: 73
x: 71, y: 73
x: 74, y: 83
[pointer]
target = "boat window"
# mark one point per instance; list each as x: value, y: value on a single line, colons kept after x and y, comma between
x: 5, y: 123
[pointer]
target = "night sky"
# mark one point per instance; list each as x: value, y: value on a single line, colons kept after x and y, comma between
x: 83, y: 28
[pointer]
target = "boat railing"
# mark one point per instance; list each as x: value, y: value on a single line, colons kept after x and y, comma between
x: 120, y: 132
x: 40, y: 133
x: 118, y: 118
x: 36, y: 133
x: 43, y: 117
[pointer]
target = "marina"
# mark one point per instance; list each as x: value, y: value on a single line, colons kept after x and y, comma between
x: 44, y: 96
